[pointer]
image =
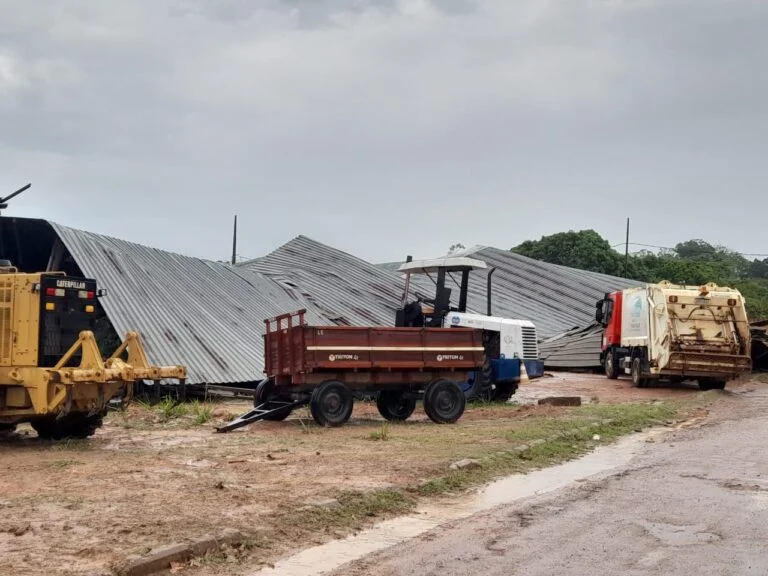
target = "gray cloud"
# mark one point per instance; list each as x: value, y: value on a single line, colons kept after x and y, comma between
x: 386, y: 127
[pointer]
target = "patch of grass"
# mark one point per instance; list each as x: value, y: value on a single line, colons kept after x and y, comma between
x: 74, y: 444
x: 548, y: 441
x: 141, y: 403
x: 201, y: 412
x: 353, y: 511
x: 170, y: 409
x: 381, y: 434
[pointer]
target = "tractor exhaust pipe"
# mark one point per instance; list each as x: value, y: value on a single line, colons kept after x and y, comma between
x: 488, y: 294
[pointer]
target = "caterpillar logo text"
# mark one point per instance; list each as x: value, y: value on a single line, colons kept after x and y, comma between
x: 334, y: 357
x: 442, y: 357
x: 70, y: 284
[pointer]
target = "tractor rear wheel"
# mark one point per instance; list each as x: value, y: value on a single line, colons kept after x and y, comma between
x: 503, y: 391
x: 331, y: 403
x: 444, y: 401
x: 394, y: 406
x: 75, y: 425
x: 483, y: 388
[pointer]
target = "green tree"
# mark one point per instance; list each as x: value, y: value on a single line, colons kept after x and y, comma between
x: 691, y: 262
x: 585, y: 249
x: 759, y: 268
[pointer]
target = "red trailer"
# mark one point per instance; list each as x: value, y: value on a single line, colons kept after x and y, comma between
x: 326, y: 366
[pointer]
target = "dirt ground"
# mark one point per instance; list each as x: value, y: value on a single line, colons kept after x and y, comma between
x: 143, y: 481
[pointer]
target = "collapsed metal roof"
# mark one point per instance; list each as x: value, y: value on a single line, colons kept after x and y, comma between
x: 346, y: 289
x: 209, y: 316
x: 555, y: 298
x: 206, y: 315
x: 577, y: 348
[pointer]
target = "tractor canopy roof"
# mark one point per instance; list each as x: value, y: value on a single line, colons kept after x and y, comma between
x: 450, y: 264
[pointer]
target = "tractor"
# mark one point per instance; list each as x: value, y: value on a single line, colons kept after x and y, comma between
x: 511, y: 346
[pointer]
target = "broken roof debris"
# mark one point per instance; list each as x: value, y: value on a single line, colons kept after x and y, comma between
x: 210, y: 316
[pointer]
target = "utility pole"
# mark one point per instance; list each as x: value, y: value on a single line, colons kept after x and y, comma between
x: 234, y: 243
x: 626, y: 253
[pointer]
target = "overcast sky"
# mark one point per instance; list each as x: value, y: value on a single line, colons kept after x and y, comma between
x: 387, y: 127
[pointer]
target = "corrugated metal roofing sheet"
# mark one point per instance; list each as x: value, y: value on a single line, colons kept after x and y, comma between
x: 346, y: 289
x: 555, y: 298
x: 209, y: 316
x: 206, y: 315
x: 578, y: 348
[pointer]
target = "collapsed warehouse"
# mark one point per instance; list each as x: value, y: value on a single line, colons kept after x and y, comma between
x: 209, y: 316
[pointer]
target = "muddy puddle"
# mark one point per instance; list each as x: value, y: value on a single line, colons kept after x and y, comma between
x: 328, y: 557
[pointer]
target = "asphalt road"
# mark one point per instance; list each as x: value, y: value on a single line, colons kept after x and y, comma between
x: 693, y: 503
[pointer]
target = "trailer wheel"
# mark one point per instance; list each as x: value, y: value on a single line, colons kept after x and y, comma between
x: 444, y: 401
x: 331, y: 403
x: 611, y: 366
x: 394, y: 406
x: 637, y: 373
x: 262, y: 394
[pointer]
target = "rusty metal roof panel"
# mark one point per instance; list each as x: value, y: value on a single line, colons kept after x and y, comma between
x: 206, y: 315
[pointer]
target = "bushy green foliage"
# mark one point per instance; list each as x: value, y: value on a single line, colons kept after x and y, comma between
x: 690, y: 262
x: 585, y: 249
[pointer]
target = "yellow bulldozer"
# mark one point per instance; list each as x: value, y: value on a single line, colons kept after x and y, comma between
x: 52, y: 373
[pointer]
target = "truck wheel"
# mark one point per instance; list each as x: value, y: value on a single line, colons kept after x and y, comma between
x: 707, y: 384
x: 444, y: 402
x: 331, y: 403
x: 7, y: 429
x: 394, y: 406
x: 637, y: 373
x: 75, y: 425
x: 262, y: 394
x: 611, y: 365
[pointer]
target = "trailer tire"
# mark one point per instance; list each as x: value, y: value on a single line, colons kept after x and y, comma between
x: 262, y: 394
x: 637, y: 373
x: 444, y: 401
x: 331, y: 403
x: 394, y: 406
x: 611, y: 366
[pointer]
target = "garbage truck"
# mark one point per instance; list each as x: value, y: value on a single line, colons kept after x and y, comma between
x: 675, y: 332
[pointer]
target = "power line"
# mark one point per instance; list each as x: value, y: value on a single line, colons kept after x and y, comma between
x: 674, y: 249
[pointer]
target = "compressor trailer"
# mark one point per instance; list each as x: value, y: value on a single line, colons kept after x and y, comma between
x: 325, y: 366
